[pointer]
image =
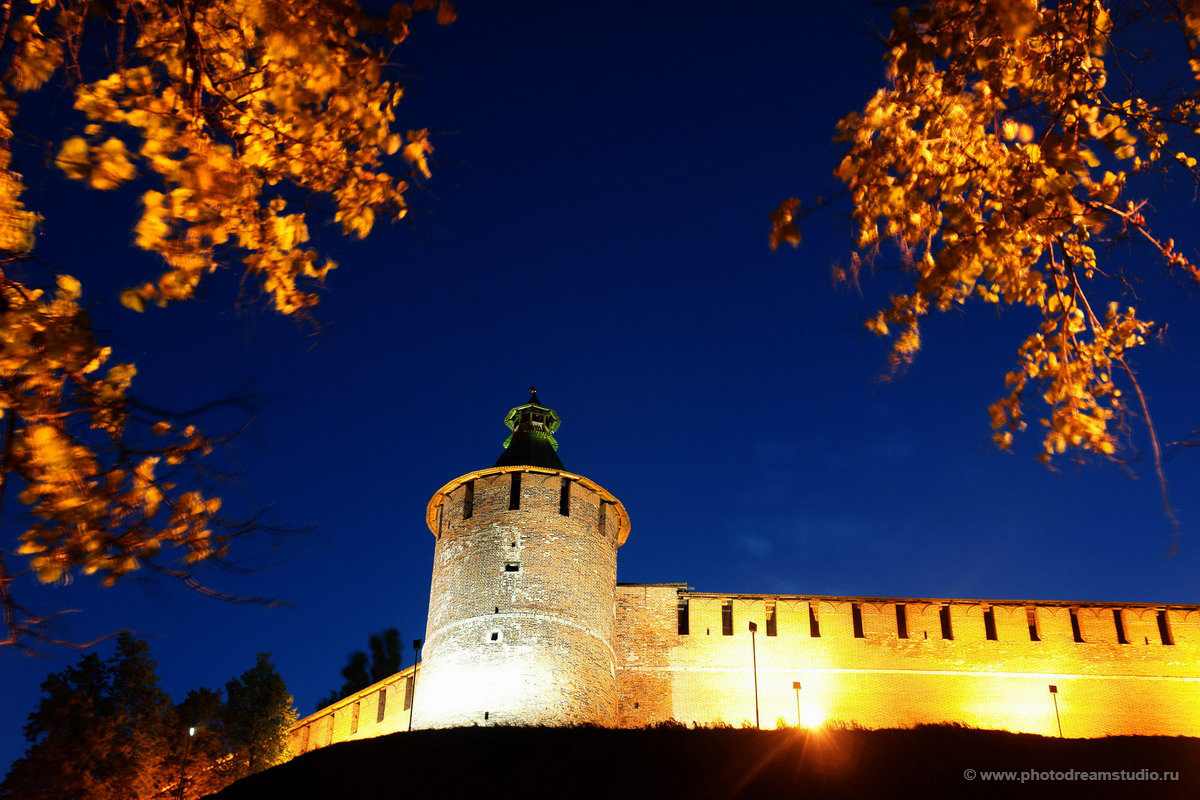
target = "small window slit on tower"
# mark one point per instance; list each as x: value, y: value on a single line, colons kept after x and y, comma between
x: 1031, y: 618
x: 511, y: 566
x: 772, y: 620
x: 683, y: 621
x: 989, y: 623
x: 727, y: 618
x: 902, y: 620
x: 603, y: 521
x: 564, y: 498
x: 514, y: 492
x: 381, y: 706
x: 814, y: 625
x: 468, y: 499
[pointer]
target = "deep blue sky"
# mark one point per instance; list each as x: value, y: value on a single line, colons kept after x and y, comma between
x: 597, y: 225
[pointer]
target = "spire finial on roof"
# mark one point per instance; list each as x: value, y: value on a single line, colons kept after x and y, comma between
x: 532, y: 442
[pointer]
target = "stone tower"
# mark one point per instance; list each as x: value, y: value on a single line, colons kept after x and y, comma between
x: 522, y: 603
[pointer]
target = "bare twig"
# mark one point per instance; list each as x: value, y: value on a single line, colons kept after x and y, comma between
x: 1156, y: 450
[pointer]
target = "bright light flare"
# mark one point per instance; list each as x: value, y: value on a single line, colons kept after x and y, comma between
x: 812, y: 716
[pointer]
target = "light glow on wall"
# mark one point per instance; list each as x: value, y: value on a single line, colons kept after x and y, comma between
x: 812, y: 715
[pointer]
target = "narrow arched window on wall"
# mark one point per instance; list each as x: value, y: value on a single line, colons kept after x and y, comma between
x: 564, y: 498
x: 856, y: 619
x: 944, y: 618
x: 514, y: 492
x: 727, y: 618
x: 772, y: 620
x: 603, y: 521
x: 814, y: 625
x: 1076, y: 631
x: 468, y: 499
x: 381, y: 706
x: 1164, y: 627
x: 989, y: 623
x: 1119, y: 624
x: 901, y: 620
x: 684, y: 621
x: 1031, y: 618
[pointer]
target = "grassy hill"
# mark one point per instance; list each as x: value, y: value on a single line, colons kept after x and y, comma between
x: 669, y: 762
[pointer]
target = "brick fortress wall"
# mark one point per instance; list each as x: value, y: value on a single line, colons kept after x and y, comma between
x: 381, y: 708
x: 966, y: 661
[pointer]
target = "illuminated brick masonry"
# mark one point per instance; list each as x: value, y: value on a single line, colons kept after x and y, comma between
x: 527, y: 625
x: 1116, y: 668
x: 521, y: 608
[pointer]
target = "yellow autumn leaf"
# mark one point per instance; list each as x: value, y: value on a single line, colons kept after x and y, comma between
x: 68, y: 287
x: 73, y: 158
x: 112, y: 166
x: 130, y: 298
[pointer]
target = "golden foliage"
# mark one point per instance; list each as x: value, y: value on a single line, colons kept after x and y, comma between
x: 230, y: 104
x: 997, y: 162
x: 242, y: 116
x: 101, y: 515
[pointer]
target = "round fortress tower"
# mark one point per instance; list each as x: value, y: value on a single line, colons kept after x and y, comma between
x: 522, y: 603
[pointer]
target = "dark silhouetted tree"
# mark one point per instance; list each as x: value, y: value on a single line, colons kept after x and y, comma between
x: 387, y: 658
x: 386, y: 654
x: 258, y: 712
x: 100, y: 731
x: 105, y: 730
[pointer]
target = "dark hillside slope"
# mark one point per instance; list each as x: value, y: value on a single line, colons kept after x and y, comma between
x: 678, y: 763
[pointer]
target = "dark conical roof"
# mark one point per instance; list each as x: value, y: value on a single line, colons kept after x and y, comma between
x: 531, y: 443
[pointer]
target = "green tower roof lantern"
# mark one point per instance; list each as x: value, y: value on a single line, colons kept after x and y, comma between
x: 531, y: 443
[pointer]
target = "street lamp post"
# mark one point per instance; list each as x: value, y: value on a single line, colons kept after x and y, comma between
x: 183, y: 767
x: 1057, y: 718
x: 754, y: 661
x: 412, y: 707
x: 797, y: 687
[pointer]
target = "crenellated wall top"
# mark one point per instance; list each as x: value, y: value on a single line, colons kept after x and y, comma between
x: 683, y: 589
x: 623, y: 525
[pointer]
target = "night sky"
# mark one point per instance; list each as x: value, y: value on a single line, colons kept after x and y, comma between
x: 597, y: 225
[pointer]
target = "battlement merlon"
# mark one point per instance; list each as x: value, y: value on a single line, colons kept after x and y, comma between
x: 685, y: 589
